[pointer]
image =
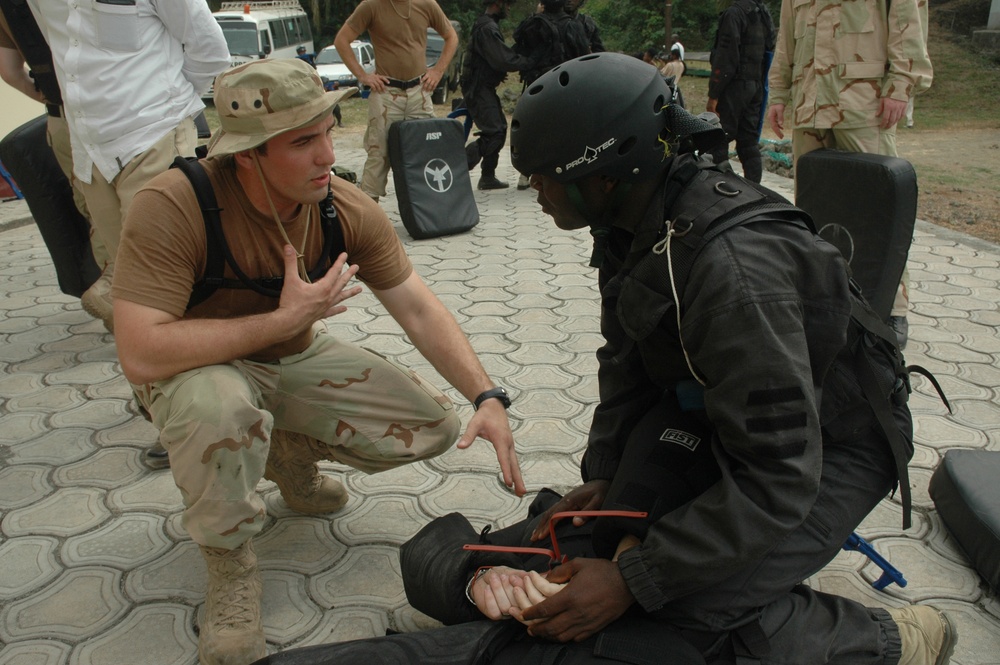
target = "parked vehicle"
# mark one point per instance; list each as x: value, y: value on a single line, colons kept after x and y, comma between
x: 450, y: 79
x: 258, y: 29
x: 331, y: 66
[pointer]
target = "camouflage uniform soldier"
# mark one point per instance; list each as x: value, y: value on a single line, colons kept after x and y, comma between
x: 848, y: 70
x: 218, y: 376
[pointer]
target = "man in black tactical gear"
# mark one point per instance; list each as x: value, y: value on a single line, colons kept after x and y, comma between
x: 740, y: 62
x: 549, y: 38
x: 589, y: 26
x: 742, y: 379
x: 486, y: 65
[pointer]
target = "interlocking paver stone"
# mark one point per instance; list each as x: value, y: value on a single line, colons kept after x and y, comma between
x: 64, y: 513
x: 82, y: 602
x: 287, y: 612
x: 28, y: 563
x: 98, y: 569
x: 55, y: 446
x: 22, y: 485
x: 35, y: 652
x: 166, y: 638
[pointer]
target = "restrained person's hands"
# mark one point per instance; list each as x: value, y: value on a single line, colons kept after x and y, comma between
x: 596, y: 595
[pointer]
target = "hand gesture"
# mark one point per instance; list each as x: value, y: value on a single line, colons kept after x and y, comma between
x: 303, y: 303
x: 490, y: 422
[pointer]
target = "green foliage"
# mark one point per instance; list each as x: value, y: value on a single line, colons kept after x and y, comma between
x: 629, y: 26
x: 635, y: 25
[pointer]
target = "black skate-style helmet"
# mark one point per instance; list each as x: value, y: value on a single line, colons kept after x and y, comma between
x: 604, y: 113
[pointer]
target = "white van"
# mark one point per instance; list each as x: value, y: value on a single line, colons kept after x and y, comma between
x: 264, y: 29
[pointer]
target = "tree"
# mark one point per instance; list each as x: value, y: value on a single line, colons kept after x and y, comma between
x: 639, y: 24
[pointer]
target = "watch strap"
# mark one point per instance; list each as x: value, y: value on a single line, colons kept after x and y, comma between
x: 498, y: 393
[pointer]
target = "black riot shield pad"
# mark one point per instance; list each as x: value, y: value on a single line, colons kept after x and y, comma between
x: 26, y: 153
x: 431, y: 175
x: 964, y: 491
x: 866, y: 206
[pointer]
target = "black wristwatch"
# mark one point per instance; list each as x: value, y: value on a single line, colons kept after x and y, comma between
x: 498, y: 393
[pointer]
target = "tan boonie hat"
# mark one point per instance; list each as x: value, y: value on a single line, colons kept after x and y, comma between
x: 264, y: 98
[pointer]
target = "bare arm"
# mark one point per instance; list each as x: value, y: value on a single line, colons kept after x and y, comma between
x: 154, y: 345
x: 14, y: 74
x: 434, y: 74
x: 342, y: 42
x: 435, y: 333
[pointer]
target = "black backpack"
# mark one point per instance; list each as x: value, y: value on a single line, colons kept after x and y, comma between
x: 33, y: 47
x: 219, y: 254
x: 548, y: 42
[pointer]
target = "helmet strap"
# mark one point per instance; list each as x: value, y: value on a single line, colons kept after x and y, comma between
x: 600, y: 229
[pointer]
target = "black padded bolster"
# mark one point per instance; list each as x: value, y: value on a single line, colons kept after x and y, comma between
x: 965, y: 490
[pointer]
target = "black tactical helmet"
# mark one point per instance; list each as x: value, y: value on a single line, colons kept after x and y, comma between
x: 553, y: 5
x: 605, y: 113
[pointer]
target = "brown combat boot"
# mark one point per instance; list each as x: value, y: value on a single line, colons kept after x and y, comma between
x: 928, y: 635
x: 96, y: 300
x: 231, y: 630
x: 291, y: 464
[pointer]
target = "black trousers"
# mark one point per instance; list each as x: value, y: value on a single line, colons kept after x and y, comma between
x: 669, y: 459
x: 801, y: 625
x: 487, y: 112
x: 739, y: 113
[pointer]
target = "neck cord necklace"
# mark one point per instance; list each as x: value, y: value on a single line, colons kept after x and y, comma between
x: 409, y: 9
x: 303, y: 271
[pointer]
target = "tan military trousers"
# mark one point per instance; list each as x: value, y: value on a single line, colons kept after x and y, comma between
x: 108, y: 202
x: 385, y: 108
x: 216, y: 422
x: 873, y: 140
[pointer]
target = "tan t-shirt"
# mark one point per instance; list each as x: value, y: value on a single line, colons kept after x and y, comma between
x: 673, y: 68
x: 400, y: 43
x: 163, y: 247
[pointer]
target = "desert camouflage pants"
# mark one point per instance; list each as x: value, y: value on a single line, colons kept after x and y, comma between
x: 873, y: 140
x: 385, y: 108
x: 216, y: 422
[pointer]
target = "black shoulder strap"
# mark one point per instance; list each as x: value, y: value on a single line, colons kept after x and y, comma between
x: 215, y: 262
x: 714, y: 201
x: 218, y: 253
x: 32, y: 45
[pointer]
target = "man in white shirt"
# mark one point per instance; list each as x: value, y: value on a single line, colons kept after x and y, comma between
x: 677, y: 44
x: 132, y: 73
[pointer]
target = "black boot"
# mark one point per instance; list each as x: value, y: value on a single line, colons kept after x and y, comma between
x: 490, y: 182
x: 472, y: 155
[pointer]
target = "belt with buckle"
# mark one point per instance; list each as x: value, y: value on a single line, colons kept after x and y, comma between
x: 54, y: 110
x: 403, y: 85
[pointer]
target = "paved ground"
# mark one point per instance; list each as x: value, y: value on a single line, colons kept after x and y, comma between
x: 97, y: 569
